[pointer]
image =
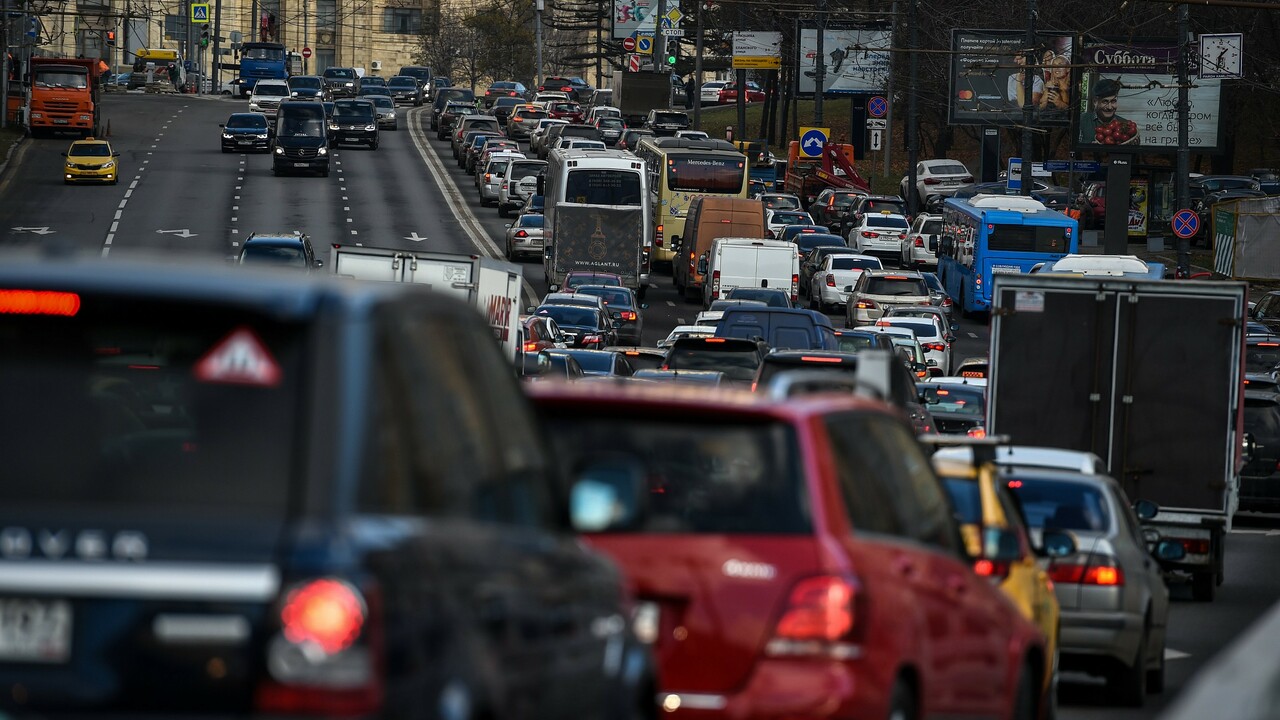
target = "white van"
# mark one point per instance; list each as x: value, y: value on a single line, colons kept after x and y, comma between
x: 750, y: 262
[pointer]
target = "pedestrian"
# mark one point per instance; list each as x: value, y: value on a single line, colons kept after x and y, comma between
x: 690, y: 87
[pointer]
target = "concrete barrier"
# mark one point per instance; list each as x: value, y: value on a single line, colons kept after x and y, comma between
x: 1241, y: 682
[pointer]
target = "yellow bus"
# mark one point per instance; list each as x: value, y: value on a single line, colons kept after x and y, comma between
x: 679, y: 170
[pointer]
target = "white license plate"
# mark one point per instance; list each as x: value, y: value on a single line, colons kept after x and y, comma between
x: 61, y: 121
x: 302, y: 164
x: 35, y: 630
x: 1006, y: 269
x: 245, y: 142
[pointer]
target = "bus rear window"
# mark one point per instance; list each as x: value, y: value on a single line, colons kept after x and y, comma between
x: 1027, y: 238
x: 603, y: 187
x: 707, y: 174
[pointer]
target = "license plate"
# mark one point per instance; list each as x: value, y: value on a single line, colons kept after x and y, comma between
x: 1006, y: 269
x: 35, y: 630
x: 245, y: 142
x: 61, y: 121
x: 302, y: 164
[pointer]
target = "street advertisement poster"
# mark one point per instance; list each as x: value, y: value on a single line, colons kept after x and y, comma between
x: 757, y: 51
x: 630, y: 16
x: 856, y: 61
x: 988, y: 86
x: 1137, y: 208
x: 1129, y: 94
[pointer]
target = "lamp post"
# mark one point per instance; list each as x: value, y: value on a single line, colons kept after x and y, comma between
x: 537, y: 34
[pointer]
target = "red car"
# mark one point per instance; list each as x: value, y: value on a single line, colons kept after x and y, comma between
x: 794, y: 559
x: 729, y: 93
x: 570, y: 111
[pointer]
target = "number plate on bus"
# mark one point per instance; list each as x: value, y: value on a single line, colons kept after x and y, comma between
x: 1006, y: 269
x: 35, y: 630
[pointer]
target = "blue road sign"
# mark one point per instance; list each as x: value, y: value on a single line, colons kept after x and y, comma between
x: 877, y: 107
x: 644, y: 44
x: 33, y: 27
x: 1080, y: 166
x: 200, y: 12
x: 1185, y: 223
x: 812, y: 141
x: 1013, y: 177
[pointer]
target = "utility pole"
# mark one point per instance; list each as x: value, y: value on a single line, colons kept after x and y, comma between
x: 1183, y: 158
x: 740, y: 77
x: 4, y: 64
x: 913, y: 152
x: 599, y: 41
x: 660, y: 41
x: 306, y: 38
x: 697, y: 66
x: 820, y: 68
x: 1028, y: 86
x: 537, y: 37
x: 216, y: 87
x: 888, y: 122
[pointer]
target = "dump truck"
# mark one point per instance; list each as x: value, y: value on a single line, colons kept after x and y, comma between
x: 65, y: 96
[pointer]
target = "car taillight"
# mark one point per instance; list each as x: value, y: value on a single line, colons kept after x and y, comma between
x: 1100, y: 571
x: 628, y: 315
x: 657, y: 236
x: 947, y: 302
x: 326, y: 659
x: 931, y: 181
x: 868, y: 234
x: 831, y: 280
x: 820, y: 619
x: 1196, y: 546
x: 531, y: 347
x: 795, y: 287
x: 592, y: 340
x: 867, y: 305
x: 977, y: 432
x: 566, y: 89
x: 919, y: 241
x: 488, y: 177
x: 522, y: 234
x: 991, y: 569
x: 968, y: 179
x: 938, y: 347
x: 504, y: 186
x: 715, y: 285
x: 511, y: 94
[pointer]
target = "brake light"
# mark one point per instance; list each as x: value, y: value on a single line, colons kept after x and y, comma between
x: 977, y: 432
x: 628, y: 315
x: 991, y: 569
x: 657, y: 237
x: 930, y: 181
x: 831, y: 280
x: 1102, y: 571
x: 919, y: 241
x: 39, y: 302
x: 327, y: 613
x: 1195, y: 546
x: 511, y: 93
x: 869, y: 234
x: 566, y: 89
x: 488, y: 177
x: 820, y: 619
x: 521, y: 234
x: 1268, y: 344
x: 867, y: 305
x: 937, y: 347
x: 946, y: 302
x: 715, y: 285
x: 819, y: 359
x: 795, y: 287
x: 531, y: 347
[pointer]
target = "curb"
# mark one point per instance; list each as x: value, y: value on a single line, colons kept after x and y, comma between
x: 4, y: 165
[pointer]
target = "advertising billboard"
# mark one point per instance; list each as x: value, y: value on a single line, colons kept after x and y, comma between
x: 987, y: 84
x: 630, y: 16
x: 1128, y: 96
x: 757, y: 50
x: 857, y: 61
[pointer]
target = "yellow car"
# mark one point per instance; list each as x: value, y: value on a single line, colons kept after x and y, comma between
x: 91, y: 160
x: 982, y: 503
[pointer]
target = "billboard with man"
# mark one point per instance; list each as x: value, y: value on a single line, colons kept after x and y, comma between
x: 988, y: 81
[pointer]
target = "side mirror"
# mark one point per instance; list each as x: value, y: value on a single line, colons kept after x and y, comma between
x: 1170, y: 551
x: 62, y: 154
x: 1146, y: 509
x: 553, y: 287
x: 920, y: 368
x: 530, y: 310
x: 848, y: 288
x: 115, y: 154
x: 319, y: 262
x: 951, y: 338
x: 1057, y: 543
x: 607, y: 496
x: 222, y: 125
x: 644, y: 306
x: 1000, y: 545
x: 508, y: 225
x: 955, y: 327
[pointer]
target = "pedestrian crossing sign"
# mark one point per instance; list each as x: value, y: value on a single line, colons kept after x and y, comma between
x: 199, y: 12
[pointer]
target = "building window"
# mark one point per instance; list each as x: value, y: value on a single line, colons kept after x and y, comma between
x: 402, y: 21
x: 326, y: 14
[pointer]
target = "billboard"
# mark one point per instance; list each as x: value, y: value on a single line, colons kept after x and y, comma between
x: 757, y: 50
x: 1128, y: 96
x: 630, y: 16
x: 987, y: 84
x: 857, y: 61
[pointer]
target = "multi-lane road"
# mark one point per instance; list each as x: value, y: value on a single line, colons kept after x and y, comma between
x: 181, y: 196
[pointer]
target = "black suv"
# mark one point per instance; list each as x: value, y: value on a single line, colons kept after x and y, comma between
x: 291, y: 251
x: 666, y: 122
x: 355, y: 121
x: 343, y: 82
x: 445, y: 96
x: 832, y: 207
x: 421, y: 73
x: 278, y: 494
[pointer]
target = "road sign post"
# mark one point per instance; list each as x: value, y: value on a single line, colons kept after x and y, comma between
x: 306, y: 53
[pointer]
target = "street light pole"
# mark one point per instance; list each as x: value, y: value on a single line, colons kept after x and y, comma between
x: 913, y: 151
x: 537, y: 34
x: 1182, y: 192
x: 1028, y: 87
x: 820, y: 68
x: 697, y: 68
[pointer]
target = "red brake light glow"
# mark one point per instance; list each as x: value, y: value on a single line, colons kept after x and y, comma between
x: 327, y: 613
x: 39, y: 302
x: 819, y: 608
x: 818, y: 359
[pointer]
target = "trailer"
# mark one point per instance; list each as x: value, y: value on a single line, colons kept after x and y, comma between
x: 491, y: 286
x: 1146, y: 374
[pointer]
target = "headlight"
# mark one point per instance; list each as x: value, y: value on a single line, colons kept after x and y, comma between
x: 279, y: 150
x: 293, y: 93
x: 322, y: 151
x: 333, y: 126
x: 36, y: 116
x: 226, y: 136
x: 108, y: 165
x: 85, y: 117
x: 350, y: 84
x: 371, y: 127
x: 262, y: 136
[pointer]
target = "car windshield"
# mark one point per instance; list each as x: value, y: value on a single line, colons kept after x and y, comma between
x: 610, y: 123
x: 262, y: 53
x: 571, y: 315
x: 954, y: 398
x: 1060, y: 505
x: 710, y: 477
x: 403, y: 81
x: 340, y: 74
x: 90, y: 150
x: 247, y: 120
x: 118, y: 406
x: 615, y: 297
x: 670, y: 117
x: 736, y: 364
x: 384, y: 102
x: 353, y: 108
x: 895, y: 286
x: 843, y: 262
x: 61, y: 79
x: 270, y: 90
x: 853, y: 342
x: 772, y: 298
x: 262, y: 254
x: 310, y: 83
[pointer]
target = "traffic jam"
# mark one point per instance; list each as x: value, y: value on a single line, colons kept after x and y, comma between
x: 302, y: 484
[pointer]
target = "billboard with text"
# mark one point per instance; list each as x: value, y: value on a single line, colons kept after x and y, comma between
x: 987, y: 82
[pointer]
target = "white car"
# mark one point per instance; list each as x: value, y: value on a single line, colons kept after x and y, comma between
x: 938, y: 177
x: 835, y: 278
x: 519, y: 182
x: 539, y: 132
x: 682, y: 331
x: 551, y: 97
x: 266, y: 96
x: 775, y: 220
x: 880, y: 234
x: 710, y: 93
x: 902, y: 337
x: 779, y: 201
x: 602, y: 111
x: 921, y: 246
x: 935, y: 339
x: 489, y: 180
x: 577, y: 143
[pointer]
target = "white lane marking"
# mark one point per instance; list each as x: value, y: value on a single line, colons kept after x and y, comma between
x: 1171, y: 654
x: 353, y: 232
x: 114, y: 225
x: 235, y: 243
x: 973, y: 335
x: 234, y: 219
x: 344, y: 197
x: 234, y: 231
x: 110, y: 237
x: 133, y: 184
x: 348, y: 209
x: 350, y: 220
x: 128, y: 193
x: 671, y: 303
x: 118, y: 214
x: 235, y: 207
x: 679, y: 321
x: 123, y: 203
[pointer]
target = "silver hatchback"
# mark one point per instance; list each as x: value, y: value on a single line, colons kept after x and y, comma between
x: 878, y: 290
x: 1114, y: 602
x: 524, y: 236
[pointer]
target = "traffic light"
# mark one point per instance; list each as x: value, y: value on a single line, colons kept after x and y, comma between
x: 671, y: 58
x: 204, y: 37
x: 111, y: 38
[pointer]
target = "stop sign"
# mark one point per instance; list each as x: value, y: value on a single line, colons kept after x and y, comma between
x: 306, y: 52
x: 629, y: 44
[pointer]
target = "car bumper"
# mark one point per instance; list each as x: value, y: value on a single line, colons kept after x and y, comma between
x: 488, y: 192
x: 663, y: 255
x: 526, y: 245
x: 90, y: 175
x: 922, y: 256
x: 1086, y: 636
x: 781, y: 688
x: 288, y: 164
x: 255, y: 144
x: 1259, y: 491
x: 386, y: 122
x: 942, y: 190
x: 832, y: 296
x: 354, y: 136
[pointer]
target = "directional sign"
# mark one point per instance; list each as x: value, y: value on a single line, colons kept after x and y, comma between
x: 877, y: 141
x: 629, y: 44
x: 1080, y: 166
x: 877, y: 107
x: 633, y: 63
x: 813, y: 140
x: 673, y: 32
x: 414, y: 236
x: 36, y: 230
x: 644, y: 44
x: 1185, y: 223
x: 183, y: 233
x: 199, y: 12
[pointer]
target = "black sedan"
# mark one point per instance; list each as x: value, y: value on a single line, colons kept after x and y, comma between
x: 583, y: 327
x: 405, y: 90
x: 246, y: 131
x: 623, y: 308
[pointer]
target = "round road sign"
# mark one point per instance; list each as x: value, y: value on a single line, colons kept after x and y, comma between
x: 812, y: 142
x: 306, y: 52
x: 1185, y: 223
x: 629, y: 44
x: 877, y: 107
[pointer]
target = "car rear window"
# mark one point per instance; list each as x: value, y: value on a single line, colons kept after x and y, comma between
x: 883, y: 221
x: 854, y: 263
x: 616, y: 297
x: 531, y: 221
x: 772, y: 367
x: 790, y: 218
x: 961, y: 399
x: 931, y: 227
x: 948, y: 169
x: 713, y: 476
x: 850, y: 342
x: 1261, y: 357
x: 1061, y: 505
x: 643, y: 361
x: 966, y: 502
x: 732, y: 359
x: 771, y: 298
x: 895, y: 207
x: 122, y: 404
x: 923, y: 328
x: 899, y: 286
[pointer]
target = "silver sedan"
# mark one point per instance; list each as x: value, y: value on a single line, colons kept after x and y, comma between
x: 524, y: 236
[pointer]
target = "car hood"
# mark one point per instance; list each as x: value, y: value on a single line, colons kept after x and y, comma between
x: 352, y: 119
x: 301, y: 141
x: 245, y: 131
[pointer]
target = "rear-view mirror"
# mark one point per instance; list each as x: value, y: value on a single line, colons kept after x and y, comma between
x: 553, y: 287
x: 644, y: 306
x: 1000, y: 545
x: 607, y: 495
x: 1057, y: 543
x: 1145, y: 509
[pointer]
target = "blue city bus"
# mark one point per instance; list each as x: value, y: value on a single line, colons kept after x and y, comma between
x: 987, y: 234
x: 261, y: 61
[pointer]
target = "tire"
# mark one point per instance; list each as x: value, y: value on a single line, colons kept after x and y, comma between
x: 1024, y: 703
x: 1204, y: 586
x: 324, y: 173
x: 1128, y: 683
x: 902, y: 702
x: 508, y: 252
x: 503, y: 212
x: 1155, y: 676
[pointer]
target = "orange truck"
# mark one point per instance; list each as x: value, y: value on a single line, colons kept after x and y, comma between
x: 832, y: 167
x: 64, y: 96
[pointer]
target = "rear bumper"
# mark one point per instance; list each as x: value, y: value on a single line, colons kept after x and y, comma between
x: 789, y: 688
x: 1259, y: 491
x: 1089, y: 636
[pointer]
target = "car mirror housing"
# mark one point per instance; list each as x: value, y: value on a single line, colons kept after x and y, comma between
x: 1170, y: 551
x: 607, y: 495
x: 1000, y: 545
x: 1145, y: 509
x: 1057, y: 543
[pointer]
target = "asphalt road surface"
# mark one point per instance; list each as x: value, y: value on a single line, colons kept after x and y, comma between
x: 180, y: 195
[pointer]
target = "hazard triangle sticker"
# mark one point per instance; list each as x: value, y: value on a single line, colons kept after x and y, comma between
x: 239, y: 359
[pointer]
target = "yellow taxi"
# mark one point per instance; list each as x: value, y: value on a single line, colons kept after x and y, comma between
x: 91, y: 160
x: 982, y: 503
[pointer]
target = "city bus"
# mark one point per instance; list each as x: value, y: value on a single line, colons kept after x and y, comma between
x: 987, y: 234
x: 681, y: 169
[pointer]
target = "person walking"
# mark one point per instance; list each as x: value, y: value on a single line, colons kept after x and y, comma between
x: 689, y: 89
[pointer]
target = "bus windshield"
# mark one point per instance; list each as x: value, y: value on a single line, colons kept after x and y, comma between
x: 1028, y: 238
x: 705, y: 173
x: 603, y: 187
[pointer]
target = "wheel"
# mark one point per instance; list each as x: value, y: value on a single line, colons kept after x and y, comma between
x: 324, y: 172
x: 902, y: 702
x: 1024, y: 703
x: 1128, y: 683
x: 1155, y: 676
x: 813, y: 304
x: 375, y: 144
x: 503, y: 212
x: 225, y: 151
x: 1204, y: 586
x: 508, y: 252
